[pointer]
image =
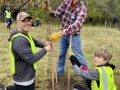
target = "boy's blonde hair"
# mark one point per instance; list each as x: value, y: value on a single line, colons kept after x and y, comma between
x: 103, y: 53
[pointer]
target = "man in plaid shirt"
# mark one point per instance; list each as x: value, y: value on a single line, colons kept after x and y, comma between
x: 73, y: 13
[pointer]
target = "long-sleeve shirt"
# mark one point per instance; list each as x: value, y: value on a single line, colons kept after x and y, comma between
x: 24, y: 58
x: 72, y: 18
x: 87, y: 74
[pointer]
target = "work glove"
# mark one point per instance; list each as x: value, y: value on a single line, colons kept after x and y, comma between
x: 55, y: 36
x: 74, y: 61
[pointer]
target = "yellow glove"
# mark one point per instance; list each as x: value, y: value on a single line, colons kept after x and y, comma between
x: 55, y: 36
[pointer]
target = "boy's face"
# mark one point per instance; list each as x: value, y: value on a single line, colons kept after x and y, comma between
x: 99, y: 61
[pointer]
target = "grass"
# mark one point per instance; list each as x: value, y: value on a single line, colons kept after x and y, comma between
x: 93, y: 38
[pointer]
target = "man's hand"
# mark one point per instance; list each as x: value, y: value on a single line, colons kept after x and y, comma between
x: 48, y: 47
x: 52, y: 14
x: 63, y: 33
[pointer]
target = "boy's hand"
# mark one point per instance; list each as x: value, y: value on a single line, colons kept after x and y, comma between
x: 74, y: 60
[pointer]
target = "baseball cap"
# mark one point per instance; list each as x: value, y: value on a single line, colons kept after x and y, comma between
x: 22, y: 15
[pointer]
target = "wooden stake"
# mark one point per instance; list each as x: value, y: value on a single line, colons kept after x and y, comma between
x: 53, y: 70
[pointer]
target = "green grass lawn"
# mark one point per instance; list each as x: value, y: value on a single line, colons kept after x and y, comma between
x: 93, y: 38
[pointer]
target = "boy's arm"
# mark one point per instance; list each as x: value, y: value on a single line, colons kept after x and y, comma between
x: 83, y: 71
x: 86, y: 74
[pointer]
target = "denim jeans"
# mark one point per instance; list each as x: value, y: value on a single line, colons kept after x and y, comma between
x: 76, y: 48
x: 9, y: 21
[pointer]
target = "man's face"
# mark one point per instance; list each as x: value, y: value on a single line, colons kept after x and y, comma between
x: 24, y: 25
x: 99, y: 61
x: 76, y: 1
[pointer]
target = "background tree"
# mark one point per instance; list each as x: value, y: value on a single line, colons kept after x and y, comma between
x: 99, y: 11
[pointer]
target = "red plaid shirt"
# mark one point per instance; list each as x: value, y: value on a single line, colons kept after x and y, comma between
x: 72, y: 18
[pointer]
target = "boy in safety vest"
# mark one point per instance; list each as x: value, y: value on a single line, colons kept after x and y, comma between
x: 101, y: 77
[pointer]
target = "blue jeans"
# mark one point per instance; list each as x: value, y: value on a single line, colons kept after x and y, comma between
x: 9, y: 21
x: 76, y: 48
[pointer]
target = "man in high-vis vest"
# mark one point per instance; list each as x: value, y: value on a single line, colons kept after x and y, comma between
x: 8, y: 17
x: 24, y: 57
x: 101, y: 77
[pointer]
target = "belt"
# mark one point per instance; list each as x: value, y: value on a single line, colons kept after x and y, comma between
x: 75, y: 34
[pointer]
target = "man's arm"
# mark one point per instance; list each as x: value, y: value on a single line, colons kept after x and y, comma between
x: 77, y: 25
x: 60, y: 10
x: 22, y: 47
x: 87, y: 74
x: 38, y: 43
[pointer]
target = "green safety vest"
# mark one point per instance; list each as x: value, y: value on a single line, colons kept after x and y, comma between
x: 8, y: 14
x: 33, y: 48
x: 106, y: 79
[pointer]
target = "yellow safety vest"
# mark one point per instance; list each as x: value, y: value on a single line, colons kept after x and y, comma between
x: 33, y: 48
x: 8, y: 14
x: 106, y: 81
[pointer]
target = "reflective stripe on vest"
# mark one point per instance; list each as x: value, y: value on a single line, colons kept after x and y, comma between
x: 8, y: 14
x: 33, y: 48
x: 106, y: 81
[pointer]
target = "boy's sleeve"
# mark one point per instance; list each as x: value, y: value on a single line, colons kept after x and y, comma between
x: 87, y: 74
